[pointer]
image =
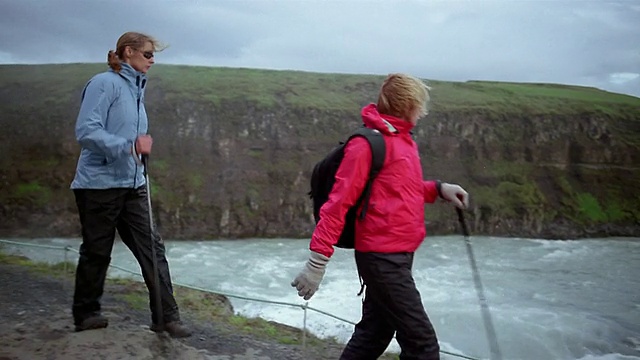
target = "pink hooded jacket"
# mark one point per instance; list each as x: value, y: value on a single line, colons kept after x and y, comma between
x: 394, y: 221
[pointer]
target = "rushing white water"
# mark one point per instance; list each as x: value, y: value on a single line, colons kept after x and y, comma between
x: 548, y: 299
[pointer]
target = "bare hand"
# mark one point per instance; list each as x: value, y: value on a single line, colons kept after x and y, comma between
x: 143, y: 144
x: 455, y: 194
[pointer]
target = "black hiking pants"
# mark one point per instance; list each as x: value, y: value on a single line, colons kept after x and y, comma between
x: 392, y: 305
x: 102, y: 212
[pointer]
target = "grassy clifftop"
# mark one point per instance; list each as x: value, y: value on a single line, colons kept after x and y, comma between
x: 235, y: 148
x: 318, y: 90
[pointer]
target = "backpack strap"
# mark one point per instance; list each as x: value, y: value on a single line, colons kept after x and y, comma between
x: 378, y: 152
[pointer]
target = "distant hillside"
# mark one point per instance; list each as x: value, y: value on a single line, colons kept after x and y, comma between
x: 234, y: 149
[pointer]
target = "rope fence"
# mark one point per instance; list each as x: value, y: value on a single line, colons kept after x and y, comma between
x: 305, y: 307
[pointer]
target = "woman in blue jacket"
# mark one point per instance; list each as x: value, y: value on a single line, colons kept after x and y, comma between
x: 109, y: 185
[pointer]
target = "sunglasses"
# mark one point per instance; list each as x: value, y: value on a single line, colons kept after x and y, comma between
x: 148, y: 54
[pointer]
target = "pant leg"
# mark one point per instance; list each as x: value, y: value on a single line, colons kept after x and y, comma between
x: 99, y: 211
x: 391, y: 287
x: 416, y: 335
x: 133, y: 228
x: 372, y: 334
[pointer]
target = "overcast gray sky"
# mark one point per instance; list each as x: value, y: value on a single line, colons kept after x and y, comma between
x: 581, y: 42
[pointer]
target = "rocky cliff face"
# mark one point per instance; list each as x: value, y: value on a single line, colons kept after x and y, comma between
x: 238, y: 166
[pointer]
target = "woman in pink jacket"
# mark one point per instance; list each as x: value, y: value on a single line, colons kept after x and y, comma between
x: 392, y: 230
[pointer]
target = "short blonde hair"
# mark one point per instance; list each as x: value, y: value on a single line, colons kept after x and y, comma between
x: 401, y: 94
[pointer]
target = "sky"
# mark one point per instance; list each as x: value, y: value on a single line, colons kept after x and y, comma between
x: 580, y: 42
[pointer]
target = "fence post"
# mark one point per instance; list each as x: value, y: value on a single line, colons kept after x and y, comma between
x: 66, y: 249
x: 304, y: 327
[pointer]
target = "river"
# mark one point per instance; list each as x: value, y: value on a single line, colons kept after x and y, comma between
x: 548, y: 299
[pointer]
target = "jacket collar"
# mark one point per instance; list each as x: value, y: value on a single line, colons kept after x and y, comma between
x: 134, y: 77
x: 386, y: 124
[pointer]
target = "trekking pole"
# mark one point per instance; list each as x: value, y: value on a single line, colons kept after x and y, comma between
x: 154, y: 256
x: 486, y: 316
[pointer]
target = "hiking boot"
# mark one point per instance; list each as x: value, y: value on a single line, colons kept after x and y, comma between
x: 92, y: 323
x: 175, y: 329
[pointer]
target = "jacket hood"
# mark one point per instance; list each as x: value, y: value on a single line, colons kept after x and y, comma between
x: 386, y: 124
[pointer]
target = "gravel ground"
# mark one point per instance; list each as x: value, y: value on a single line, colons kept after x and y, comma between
x: 36, y: 323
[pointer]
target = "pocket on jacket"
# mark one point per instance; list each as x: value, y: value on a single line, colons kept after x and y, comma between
x: 95, y: 160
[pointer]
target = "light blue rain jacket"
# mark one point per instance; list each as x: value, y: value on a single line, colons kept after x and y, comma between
x: 111, y: 117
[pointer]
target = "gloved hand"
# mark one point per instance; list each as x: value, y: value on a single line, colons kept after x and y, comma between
x: 309, y: 278
x: 455, y: 194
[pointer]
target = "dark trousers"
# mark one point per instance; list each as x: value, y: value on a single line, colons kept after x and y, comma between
x: 392, y: 305
x: 102, y: 212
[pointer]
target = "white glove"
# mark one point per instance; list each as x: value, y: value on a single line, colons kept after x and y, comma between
x: 455, y: 194
x: 309, y: 278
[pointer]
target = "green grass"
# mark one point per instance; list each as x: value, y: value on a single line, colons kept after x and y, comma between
x: 60, y: 269
x: 263, y: 88
x: 33, y: 191
x: 136, y: 300
x: 266, y: 330
x: 586, y: 204
x: 615, y: 212
x: 532, y: 98
x: 307, y: 90
x: 590, y: 208
x: 28, y: 189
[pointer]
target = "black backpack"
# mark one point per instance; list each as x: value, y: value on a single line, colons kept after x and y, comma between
x: 323, y: 178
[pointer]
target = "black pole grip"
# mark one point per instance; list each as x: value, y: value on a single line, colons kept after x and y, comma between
x: 463, y: 224
x: 145, y: 163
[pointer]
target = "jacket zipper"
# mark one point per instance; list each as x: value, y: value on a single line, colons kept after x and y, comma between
x: 135, y: 175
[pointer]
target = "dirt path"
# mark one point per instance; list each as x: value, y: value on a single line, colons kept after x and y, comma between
x: 35, y: 323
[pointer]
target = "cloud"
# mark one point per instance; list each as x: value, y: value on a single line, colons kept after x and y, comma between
x: 573, y: 42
